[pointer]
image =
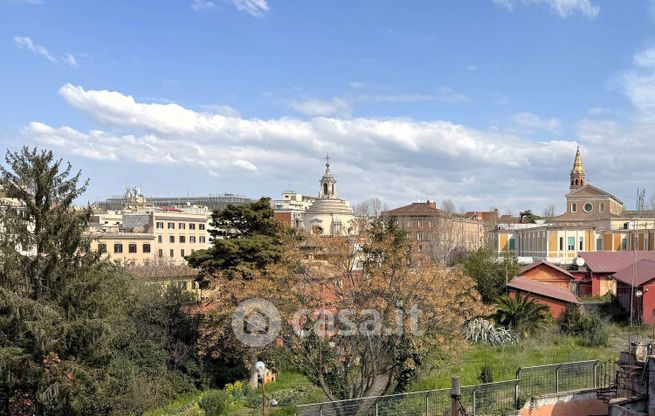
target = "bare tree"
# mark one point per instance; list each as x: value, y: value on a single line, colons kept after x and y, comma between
x: 370, y: 208
x: 549, y: 211
x: 446, y: 239
x: 448, y: 205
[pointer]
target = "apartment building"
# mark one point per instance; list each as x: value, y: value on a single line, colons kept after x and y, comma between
x: 160, y: 235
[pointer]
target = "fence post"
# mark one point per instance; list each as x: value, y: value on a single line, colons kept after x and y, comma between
x: 595, y: 375
x: 516, y: 388
x: 455, y: 393
x: 557, y: 379
x: 320, y: 411
x: 376, y: 407
x: 474, y: 397
x: 427, y: 404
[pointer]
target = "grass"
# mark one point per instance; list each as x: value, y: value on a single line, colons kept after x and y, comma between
x: 505, y: 361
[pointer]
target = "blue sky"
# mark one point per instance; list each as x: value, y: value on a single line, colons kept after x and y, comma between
x: 479, y: 101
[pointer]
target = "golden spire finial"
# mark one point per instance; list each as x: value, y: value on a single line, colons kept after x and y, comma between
x: 577, y: 163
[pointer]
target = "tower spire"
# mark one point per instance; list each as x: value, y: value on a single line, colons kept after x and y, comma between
x: 578, y: 179
x: 328, y: 183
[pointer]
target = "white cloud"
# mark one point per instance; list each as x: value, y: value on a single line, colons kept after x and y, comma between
x: 314, y: 107
x: 563, y: 8
x: 638, y: 83
x: 70, y: 60
x: 202, y: 5
x: 531, y: 121
x: 25, y: 42
x: 394, y: 156
x: 252, y: 7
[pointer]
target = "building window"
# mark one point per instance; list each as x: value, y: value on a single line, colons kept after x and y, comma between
x: 171, y: 225
x: 171, y: 239
x: 181, y: 226
x: 131, y: 248
x: 192, y: 226
x: 624, y: 244
x: 171, y: 253
x: 160, y: 252
x: 160, y: 225
x: 201, y: 227
x: 182, y: 239
x: 182, y: 252
x: 599, y: 244
x: 581, y: 244
x: 192, y: 239
x: 418, y: 224
x: 430, y: 224
x: 118, y: 248
x: 571, y: 243
x: 419, y: 236
x: 102, y: 248
x: 574, y: 207
x: 159, y: 239
x: 512, y: 244
x: 587, y: 207
x: 193, y: 250
x: 561, y: 243
x: 601, y: 208
x: 146, y: 248
x: 201, y: 239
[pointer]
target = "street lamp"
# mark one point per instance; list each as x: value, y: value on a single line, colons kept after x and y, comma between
x: 260, y: 368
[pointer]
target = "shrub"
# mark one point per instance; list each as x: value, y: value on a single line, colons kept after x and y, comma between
x: 215, y: 402
x: 588, y: 325
x: 521, y: 313
x: 486, y: 374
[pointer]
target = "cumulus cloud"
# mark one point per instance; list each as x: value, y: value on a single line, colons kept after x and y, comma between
x: 563, y: 8
x: 252, y: 7
x: 25, y: 42
x: 401, y: 159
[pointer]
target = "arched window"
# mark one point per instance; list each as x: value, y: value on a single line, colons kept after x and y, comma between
x: 574, y: 207
x: 325, y: 188
x: 317, y: 230
x: 602, y: 207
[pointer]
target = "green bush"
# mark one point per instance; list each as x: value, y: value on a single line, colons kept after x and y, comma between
x: 215, y: 402
x: 587, y: 325
x: 486, y: 374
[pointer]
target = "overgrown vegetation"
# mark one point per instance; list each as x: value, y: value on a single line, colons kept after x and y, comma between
x: 587, y: 325
x: 490, y: 272
x: 521, y: 313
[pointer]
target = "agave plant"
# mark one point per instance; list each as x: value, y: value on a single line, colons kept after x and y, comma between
x: 481, y: 331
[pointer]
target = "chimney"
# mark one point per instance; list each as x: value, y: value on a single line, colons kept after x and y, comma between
x: 432, y: 204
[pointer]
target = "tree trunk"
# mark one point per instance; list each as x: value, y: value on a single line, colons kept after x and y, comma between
x: 253, y: 372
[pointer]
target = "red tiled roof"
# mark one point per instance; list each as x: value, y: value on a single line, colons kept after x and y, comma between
x: 637, y: 274
x: 613, y: 261
x: 542, y: 289
x: 416, y: 208
x: 552, y: 266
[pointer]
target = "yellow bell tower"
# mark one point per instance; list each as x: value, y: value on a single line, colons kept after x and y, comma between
x: 578, y: 179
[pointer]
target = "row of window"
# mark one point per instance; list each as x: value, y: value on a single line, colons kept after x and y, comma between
x: 419, y: 224
x: 182, y: 239
x: 587, y: 207
x: 118, y: 248
x: 171, y: 252
x: 180, y: 226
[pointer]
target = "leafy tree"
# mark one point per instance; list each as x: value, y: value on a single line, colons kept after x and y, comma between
x: 491, y: 273
x: 69, y: 339
x: 383, y: 273
x: 520, y: 313
x: 247, y: 240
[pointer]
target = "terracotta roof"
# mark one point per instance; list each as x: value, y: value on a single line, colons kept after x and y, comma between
x: 415, y: 208
x: 637, y: 274
x: 542, y: 289
x: 552, y: 266
x: 613, y: 261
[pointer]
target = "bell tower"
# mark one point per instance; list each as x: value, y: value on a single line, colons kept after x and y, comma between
x: 328, y: 183
x: 578, y: 179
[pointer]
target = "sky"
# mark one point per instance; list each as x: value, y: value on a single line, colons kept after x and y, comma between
x: 480, y: 101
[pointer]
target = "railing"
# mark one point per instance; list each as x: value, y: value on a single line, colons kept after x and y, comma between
x: 498, y: 398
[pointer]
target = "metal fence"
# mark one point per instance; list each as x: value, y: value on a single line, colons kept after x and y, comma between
x: 498, y: 398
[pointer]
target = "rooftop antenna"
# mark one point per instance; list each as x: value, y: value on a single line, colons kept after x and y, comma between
x: 641, y: 199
